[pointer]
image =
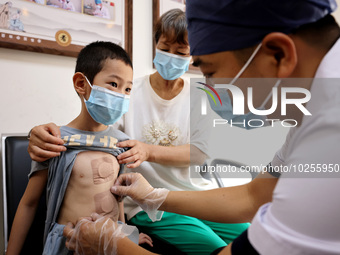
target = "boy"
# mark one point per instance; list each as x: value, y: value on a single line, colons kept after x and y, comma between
x: 79, y: 180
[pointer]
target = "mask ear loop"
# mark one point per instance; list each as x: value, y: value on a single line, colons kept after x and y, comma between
x: 269, y: 95
x: 246, y: 64
x: 90, y: 86
x: 88, y: 81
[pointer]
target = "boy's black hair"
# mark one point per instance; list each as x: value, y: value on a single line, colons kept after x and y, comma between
x: 92, y: 57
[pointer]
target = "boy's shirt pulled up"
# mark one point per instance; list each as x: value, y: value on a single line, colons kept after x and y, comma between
x: 79, y: 180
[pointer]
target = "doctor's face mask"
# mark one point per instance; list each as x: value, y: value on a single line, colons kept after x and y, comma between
x: 106, y: 106
x: 226, y: 110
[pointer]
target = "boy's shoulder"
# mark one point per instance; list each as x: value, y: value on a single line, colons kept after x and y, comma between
x: 118, y: 133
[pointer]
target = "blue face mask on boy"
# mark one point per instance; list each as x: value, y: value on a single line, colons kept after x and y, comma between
x: 170, y: 66
x: 226, y: 110
x: 106, y: 106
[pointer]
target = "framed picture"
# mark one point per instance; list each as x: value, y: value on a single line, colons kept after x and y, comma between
x: 161, y: 6
x: 64, y: 27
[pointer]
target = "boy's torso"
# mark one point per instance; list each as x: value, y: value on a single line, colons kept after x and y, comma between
x: 88, y: 189
x: 80, y: 179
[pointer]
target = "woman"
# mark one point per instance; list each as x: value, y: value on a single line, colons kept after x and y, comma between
x: 159, y: 120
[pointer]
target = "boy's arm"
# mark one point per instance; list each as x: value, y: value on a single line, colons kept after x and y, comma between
x: 26, y: 211
x: 121, y: 212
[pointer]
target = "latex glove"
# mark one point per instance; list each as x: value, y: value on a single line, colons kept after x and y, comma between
x: 45, y: 142
x: 135, y: 186
x: 95, y: 235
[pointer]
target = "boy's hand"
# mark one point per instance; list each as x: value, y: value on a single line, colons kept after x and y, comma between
x: 45, y: 142
x: 138, y: 153
x: 144, y: 238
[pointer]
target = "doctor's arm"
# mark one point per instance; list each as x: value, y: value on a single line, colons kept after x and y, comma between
x: 229, y: 205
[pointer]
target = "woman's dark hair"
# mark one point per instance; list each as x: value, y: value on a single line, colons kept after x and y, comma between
x: 173, y: 25
x: 91, y: 59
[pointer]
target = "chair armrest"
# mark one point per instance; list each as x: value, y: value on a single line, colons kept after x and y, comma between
x: 237, y: 164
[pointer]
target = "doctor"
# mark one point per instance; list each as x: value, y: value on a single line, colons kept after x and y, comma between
x: 297, y: 213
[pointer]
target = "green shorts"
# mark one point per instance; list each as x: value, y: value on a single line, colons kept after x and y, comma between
x: 188, y: 234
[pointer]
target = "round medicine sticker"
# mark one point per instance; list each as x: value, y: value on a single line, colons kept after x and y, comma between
x: 63, y: 38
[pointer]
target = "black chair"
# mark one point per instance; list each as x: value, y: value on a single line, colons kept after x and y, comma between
x: 16, y: 165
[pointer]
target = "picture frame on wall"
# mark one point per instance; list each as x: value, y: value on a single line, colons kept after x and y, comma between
x: 161, y: 6
x: 64, y: 27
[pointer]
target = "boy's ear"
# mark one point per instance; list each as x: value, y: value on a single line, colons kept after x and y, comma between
x: 282, y: 50
x: 79, y: 83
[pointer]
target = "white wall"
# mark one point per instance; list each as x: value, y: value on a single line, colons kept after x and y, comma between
x: 35, y: 88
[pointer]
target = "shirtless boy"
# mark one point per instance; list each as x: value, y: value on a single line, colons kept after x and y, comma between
x: 78, y: 181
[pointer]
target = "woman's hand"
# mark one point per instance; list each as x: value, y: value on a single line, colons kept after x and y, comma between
x: 138, y: 153
x: 45, y: 142
x: 135, y: 186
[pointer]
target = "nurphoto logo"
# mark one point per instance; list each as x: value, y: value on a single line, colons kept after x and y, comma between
x: 238, y: 104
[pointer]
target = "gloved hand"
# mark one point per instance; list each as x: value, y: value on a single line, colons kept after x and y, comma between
x: 93, y: 235
x: 135, y: 186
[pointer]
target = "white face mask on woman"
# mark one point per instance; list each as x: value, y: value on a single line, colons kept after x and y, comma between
x: 170, y: 66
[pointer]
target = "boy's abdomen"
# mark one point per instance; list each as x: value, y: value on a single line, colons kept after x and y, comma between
x: 88, y: 189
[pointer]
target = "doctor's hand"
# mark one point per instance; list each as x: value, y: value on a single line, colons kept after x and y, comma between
x: 135, y: 186
x: 93, y: 235
x: 138, y: 153
x: 45, y: 142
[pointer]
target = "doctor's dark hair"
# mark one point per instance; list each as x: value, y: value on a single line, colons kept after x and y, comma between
x: 92, y: 57
x: 173, y: 25
x: 321, y: 34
